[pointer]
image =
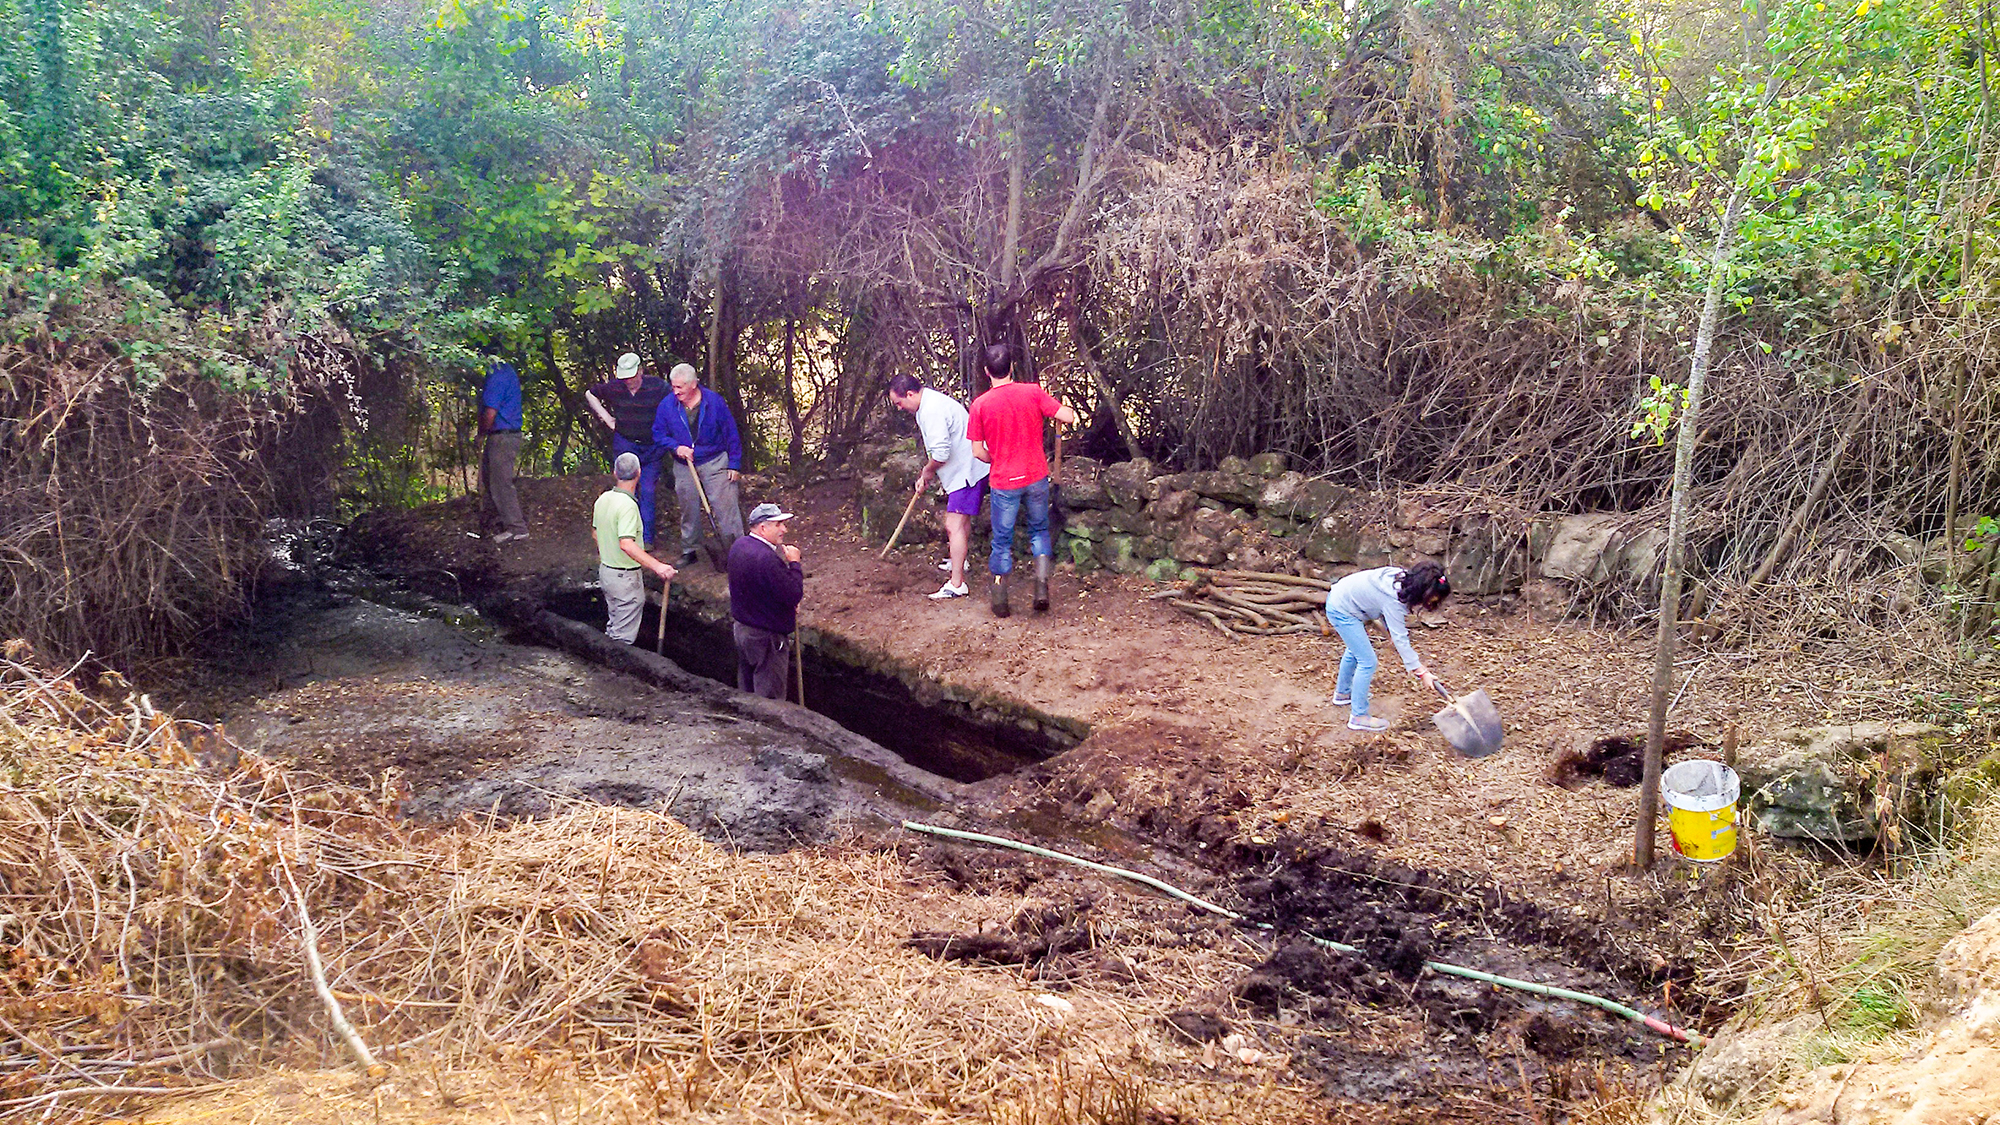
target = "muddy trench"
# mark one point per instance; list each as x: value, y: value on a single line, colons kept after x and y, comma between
x: 932, y: 726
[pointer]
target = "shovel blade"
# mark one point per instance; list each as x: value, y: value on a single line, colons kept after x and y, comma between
x: 718, y: 554
x: 1471, y: 724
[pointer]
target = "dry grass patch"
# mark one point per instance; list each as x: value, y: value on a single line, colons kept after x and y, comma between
x: 600, y: 964
x: 1853, y: 973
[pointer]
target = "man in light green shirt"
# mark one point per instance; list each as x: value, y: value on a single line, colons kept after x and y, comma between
x: 621, y: 557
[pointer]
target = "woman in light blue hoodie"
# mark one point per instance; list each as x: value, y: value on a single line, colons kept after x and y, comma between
x: 1386, y: 594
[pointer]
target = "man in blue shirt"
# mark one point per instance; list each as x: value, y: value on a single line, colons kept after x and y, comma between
x: 626, y: 403
x: 500, y: 426
x: 695, y: 423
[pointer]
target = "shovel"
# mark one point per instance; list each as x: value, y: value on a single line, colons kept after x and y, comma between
x: 1471, y: 723
x: 660, y: 633
x: 898, y: 533
x: 711, y: 541
x: 1058, y: 519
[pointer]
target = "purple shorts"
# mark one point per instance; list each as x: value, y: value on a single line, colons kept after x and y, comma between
x: 965, y: 501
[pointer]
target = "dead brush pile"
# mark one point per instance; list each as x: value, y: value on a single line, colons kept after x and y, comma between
x: 137, y: 462
x: 158, y: 882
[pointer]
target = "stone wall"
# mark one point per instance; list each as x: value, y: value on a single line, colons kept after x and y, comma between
x: 1134, y: 517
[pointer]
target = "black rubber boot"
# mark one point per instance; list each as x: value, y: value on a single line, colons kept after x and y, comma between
x: 1044, y: 566
x: 1000, y: 596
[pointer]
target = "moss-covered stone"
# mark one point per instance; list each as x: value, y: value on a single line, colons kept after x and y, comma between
x: 1238, y: 489
x: 1129, y: 521
x: 1163, y: 570
x: 1268, y: 465
x: 1297, y: 497
x: 1083, y: 553
x: 1124, y: 480
x: 1083, y: 484
x: 1088, y: 525
x: 1117, y: 554
x: 1198, y: 550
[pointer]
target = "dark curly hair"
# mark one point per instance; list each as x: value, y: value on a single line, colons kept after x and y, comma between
x: 1422, y: 584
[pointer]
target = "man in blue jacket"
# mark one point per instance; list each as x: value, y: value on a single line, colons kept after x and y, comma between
x: 696, y: 424
x: 500, y: 429
x: 766, y: 582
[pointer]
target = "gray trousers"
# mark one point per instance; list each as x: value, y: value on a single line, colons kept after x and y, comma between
x: 496, y: 479
x: 763, y: 661
x: 721, y: 496
x: 624, y: 600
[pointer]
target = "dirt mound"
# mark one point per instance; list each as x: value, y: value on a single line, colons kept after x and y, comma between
x: 1385, y: 1027
x: 1615, y: 759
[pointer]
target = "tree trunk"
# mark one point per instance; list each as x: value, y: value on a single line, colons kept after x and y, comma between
x: 714, y: 342
x: 1670, y: 580
x: 572, y: 401
x: 722, y: 333
x: 1957, y: 470
x: 795, y: 449
x: 1107, y: 398
x: 1967, y: 314
x: 1010, y: 239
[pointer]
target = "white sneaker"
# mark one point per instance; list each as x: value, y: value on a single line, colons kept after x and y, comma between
x: 504, y: 537
x: 1343, y: 700
x: 519, y: 536
x: 1368, y: 723
x: 945, y: 566
x: 949, y: 591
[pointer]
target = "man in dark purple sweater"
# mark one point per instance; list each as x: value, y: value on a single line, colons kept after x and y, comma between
x: 765, y: 585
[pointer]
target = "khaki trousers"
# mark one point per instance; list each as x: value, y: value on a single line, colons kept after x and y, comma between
x: 624, y: 601
x: 496, y: 472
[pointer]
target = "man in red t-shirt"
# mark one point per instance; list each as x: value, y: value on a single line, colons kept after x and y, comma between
x: 1005, y: 429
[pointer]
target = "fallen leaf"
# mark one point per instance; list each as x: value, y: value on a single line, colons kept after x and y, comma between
x: 1055, y: 1004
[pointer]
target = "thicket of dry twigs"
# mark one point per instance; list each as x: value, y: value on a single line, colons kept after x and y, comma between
x: 1214, y: 299
x: 133, y: 495
x: 158, y: 907
x: 1409, y: 362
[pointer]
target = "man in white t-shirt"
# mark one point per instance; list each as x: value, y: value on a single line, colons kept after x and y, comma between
x: 941, y: 420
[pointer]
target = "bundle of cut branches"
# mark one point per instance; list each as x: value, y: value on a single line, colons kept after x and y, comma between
x: 1249, y: 603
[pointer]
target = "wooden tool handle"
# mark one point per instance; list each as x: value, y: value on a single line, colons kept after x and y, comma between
x: 898, y: 533
x: 695, y: 472
x: 660, y: 634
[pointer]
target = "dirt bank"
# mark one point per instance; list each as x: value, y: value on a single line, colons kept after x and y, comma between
x: 465, y: 722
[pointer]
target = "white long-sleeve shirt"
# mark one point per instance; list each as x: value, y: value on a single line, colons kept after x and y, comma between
x: 941, y: 420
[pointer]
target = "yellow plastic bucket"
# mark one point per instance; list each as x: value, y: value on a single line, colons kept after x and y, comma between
x: 1701, y: 808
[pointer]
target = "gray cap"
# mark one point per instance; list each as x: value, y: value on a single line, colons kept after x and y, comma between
x: 767, y: 513
x: 626, y: 467
x: 628, y: 365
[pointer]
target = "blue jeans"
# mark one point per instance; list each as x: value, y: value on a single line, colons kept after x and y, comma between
x: 1357, y: 664
x: 1007, y: 505
x: 650, y: 457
